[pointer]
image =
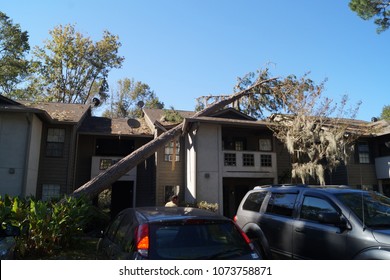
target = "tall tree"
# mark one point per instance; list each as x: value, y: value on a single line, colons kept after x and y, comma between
x: 373, y: 9
x: 70, y: 66
x: 114, y: 172
x: 13, y: 48
x: 130, y: 97
x: 385, y: 115
x: 312, y: 127
x: 317, y: 132
x: 257, y: 102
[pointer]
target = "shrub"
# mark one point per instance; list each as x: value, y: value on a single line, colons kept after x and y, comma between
x: 45, y: 226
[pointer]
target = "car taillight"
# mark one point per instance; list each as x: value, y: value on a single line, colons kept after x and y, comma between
x: 235, y: 219
x: 243, y: 234
x: 142, y: 240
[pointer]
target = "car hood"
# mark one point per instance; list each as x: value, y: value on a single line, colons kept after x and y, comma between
x: 382, y: 236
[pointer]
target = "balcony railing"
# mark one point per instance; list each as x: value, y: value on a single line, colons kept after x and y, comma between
x: 382, y: 165
x: 249, y: 162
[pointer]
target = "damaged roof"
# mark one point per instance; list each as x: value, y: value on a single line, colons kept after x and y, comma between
x: 61, y: 112
x: 120, y: 126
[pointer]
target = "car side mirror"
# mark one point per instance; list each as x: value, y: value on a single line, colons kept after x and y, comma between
x: 333, y: 219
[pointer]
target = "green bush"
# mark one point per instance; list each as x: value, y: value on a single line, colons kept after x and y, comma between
x: 46, y: 227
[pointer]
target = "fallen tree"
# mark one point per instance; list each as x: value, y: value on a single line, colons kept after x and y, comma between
x: 106, y: 179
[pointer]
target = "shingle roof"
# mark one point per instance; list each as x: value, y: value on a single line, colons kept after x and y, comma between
x: 61, y: 112
x: 106, y: 126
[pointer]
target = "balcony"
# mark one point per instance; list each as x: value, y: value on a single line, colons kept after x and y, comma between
x: 249, y: 163
x: 382, y: 166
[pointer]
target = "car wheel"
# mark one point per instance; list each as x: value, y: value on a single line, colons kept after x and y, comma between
x: 259, y: 247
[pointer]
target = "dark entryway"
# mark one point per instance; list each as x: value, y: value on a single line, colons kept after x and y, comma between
x: 234, y: 189
x: 121, y: 196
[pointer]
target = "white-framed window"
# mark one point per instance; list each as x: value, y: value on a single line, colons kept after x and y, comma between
x: 266, y: 160
x: 230, y: 159
x: 51, y: 191
x: 265, y: 145
x: 248, y: 160
x: 55, y: 142
x: 171, y: 150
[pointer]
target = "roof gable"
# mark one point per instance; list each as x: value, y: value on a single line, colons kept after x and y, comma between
x: 231, y: 113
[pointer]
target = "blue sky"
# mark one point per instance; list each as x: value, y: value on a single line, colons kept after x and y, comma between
x: 188, y: 48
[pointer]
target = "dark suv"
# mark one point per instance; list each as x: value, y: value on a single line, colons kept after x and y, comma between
x: 174, y: 233
x: 307, y: 222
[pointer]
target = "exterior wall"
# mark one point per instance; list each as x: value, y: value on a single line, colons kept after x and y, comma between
x: 14, y: 133
x: 208, y: 164
x: 207, y: 177
x: 362, y: 175
x: 55, y: 170
x: 169, y: 174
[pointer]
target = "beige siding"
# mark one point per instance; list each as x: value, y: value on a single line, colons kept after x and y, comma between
x: 169, y: 175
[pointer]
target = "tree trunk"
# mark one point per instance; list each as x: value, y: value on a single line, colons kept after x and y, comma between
x: 105, y: 179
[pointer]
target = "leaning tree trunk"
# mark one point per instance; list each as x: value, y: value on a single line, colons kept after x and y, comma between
x: 113, y: 173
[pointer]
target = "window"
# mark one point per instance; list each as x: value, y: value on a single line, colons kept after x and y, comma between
x: 239, y: 145
x: 248, y: 160
x: 266, y: 160
x: 50, y: 191
x: 364, y: 152
x: 230, y: 159
x: 172, y: 149
x: 106, y: 163
x: 265, y: 145
x: 55, y: 142
x: 313, y: 206
x: 281, y: 204
x: 254, y: 201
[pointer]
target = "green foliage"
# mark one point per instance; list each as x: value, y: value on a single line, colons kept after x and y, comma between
x: 46, y: 227
x: 208, y: 206
x: 13, y: 48
x: 385, y: 115
x: 172, y: 116
x: 377, y: 9
x: 129, y: 99
x: 259, y: 101
x: 71, y: 68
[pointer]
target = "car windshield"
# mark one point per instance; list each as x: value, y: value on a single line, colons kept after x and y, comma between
x: 197, y: 240
x: 372, y: 208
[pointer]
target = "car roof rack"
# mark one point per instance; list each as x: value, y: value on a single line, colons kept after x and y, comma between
x: 279, y: 186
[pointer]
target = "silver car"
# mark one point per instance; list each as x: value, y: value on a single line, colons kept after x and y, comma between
x: 305, y: 222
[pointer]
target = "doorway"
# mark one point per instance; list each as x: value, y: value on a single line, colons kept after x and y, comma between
x: 122, y: 196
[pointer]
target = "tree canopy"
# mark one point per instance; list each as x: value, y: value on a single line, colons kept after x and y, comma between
x: 130, y: 97
x: 373, y: 9
x: 13, y: 48
x: 385, y: 115
x: 71, y: 68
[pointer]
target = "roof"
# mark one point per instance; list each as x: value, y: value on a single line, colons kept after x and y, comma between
x: 158, y: 115
x: 60, y: 112
x: 228, y: 116
x: 120, y: 126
